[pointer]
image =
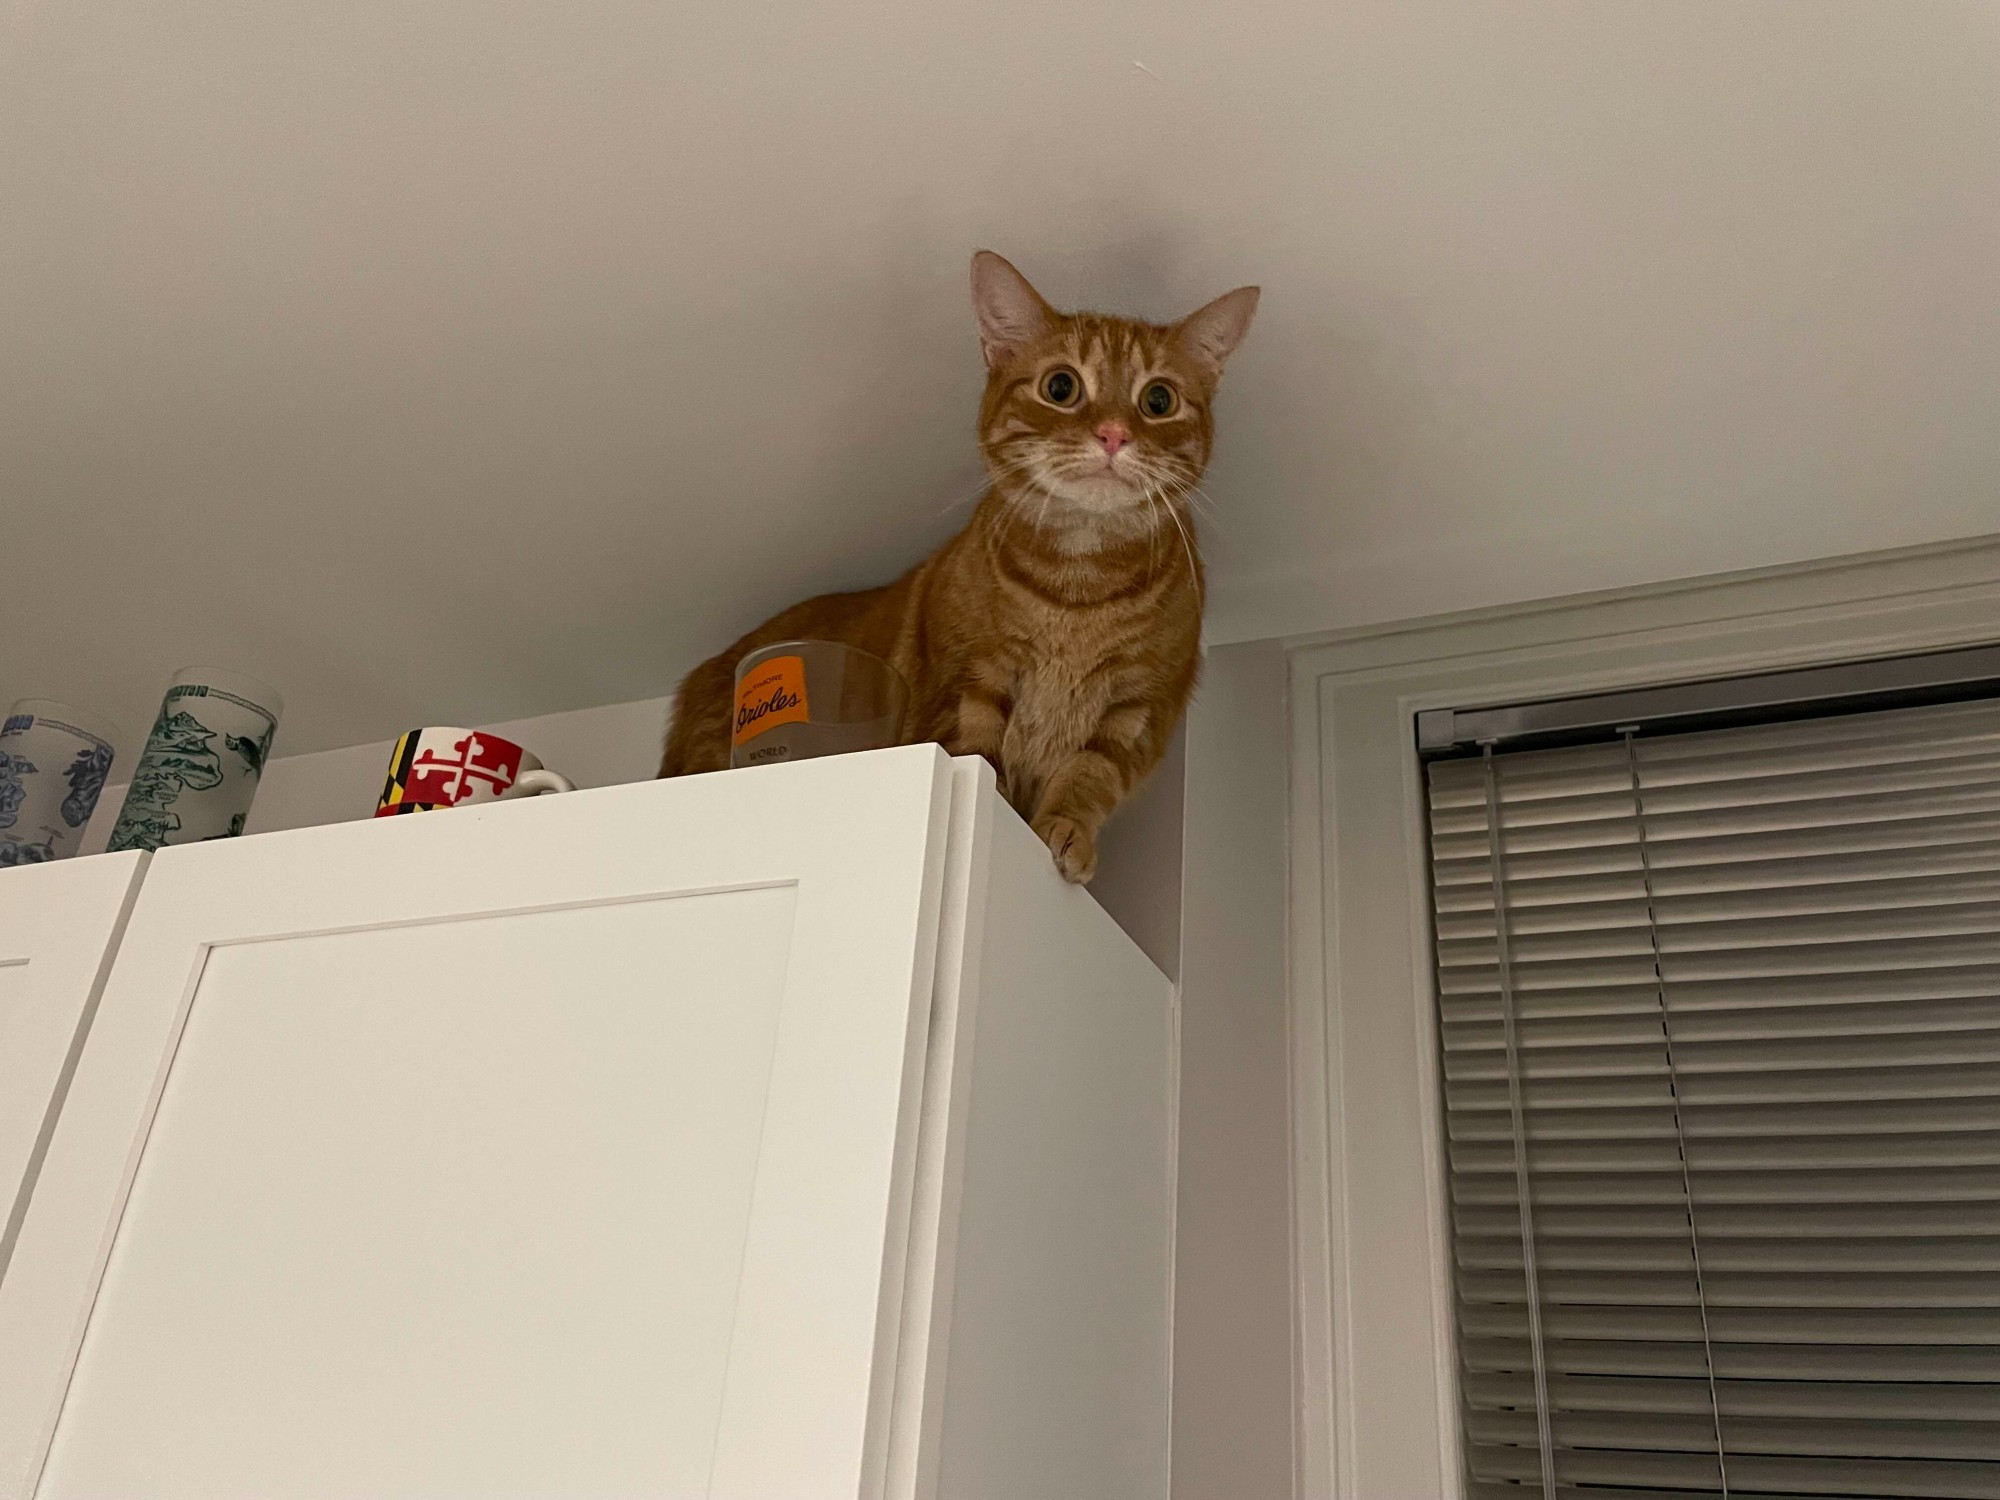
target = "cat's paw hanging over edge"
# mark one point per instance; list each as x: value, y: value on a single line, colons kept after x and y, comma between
x: 1074, y: 849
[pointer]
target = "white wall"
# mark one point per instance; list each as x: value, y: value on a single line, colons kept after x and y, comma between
x: 1139, y: 862
x: 1233, y: 1399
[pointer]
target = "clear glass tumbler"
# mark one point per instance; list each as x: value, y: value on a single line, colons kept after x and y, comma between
x: 800, y: 699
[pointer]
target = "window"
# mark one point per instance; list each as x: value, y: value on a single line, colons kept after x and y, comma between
x: 1719, y: 1016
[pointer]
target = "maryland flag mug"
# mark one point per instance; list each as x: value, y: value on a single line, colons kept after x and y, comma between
x: 443, y: 766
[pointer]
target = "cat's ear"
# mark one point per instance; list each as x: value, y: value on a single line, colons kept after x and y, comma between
x: 1011, y: 313
x: 1210, y: 334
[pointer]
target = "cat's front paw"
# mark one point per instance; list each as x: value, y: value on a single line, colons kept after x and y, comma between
x: 1072, y: 845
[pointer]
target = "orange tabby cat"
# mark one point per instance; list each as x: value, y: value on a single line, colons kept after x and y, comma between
x: 1058, y: 635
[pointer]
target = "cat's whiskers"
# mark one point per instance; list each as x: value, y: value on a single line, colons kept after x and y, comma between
x: 1162, y: 480
x: 1194, y: 568
x: 1173, y: 515
x: 1198, y: 498
x: 1152, y: 535
x: 985, y: 484
x: 1187, y: 542
x: 1181, y: 480
x: 1009, y: 467
x: 1068, y: 470
x: 1028, y: 471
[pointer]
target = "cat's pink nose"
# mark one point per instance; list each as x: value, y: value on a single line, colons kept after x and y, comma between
x: 1113, y: 437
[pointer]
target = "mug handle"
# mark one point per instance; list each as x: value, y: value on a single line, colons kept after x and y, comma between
x: 533, y: 783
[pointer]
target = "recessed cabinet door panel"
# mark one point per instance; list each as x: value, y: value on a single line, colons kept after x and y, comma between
x: 403, y: 1216
x: 57, y: 923
x: 555, y: 1149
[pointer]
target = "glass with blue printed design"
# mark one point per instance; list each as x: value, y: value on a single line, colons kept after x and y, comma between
x: 199, y: 771
x: 54, y: 760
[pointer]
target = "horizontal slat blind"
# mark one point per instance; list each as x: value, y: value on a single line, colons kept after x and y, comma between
x: 1721, y: 1035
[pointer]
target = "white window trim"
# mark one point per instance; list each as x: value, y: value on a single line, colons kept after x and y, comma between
x: 1378, y: 1409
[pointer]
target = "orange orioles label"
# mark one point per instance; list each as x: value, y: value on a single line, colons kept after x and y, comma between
x: 774, y: 693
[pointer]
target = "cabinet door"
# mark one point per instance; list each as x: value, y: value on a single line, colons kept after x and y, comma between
x: 561, y: 1147
x: 58, y: 923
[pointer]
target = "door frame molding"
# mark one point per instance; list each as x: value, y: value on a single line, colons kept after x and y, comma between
x: 1374, y: 1362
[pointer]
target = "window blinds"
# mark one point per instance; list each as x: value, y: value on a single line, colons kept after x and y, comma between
x: 1722, y: 1096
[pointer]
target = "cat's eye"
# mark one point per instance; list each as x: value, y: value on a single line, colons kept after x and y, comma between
x: 1159, y: 399
x: 1062, y: 386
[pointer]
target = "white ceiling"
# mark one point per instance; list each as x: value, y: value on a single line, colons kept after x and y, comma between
x: 457, y: 361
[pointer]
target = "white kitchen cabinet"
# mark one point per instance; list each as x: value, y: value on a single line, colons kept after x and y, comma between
x: 772, y: 1135
x: 58, y: 925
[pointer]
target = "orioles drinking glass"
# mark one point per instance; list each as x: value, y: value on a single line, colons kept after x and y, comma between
x: 799, y: 699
